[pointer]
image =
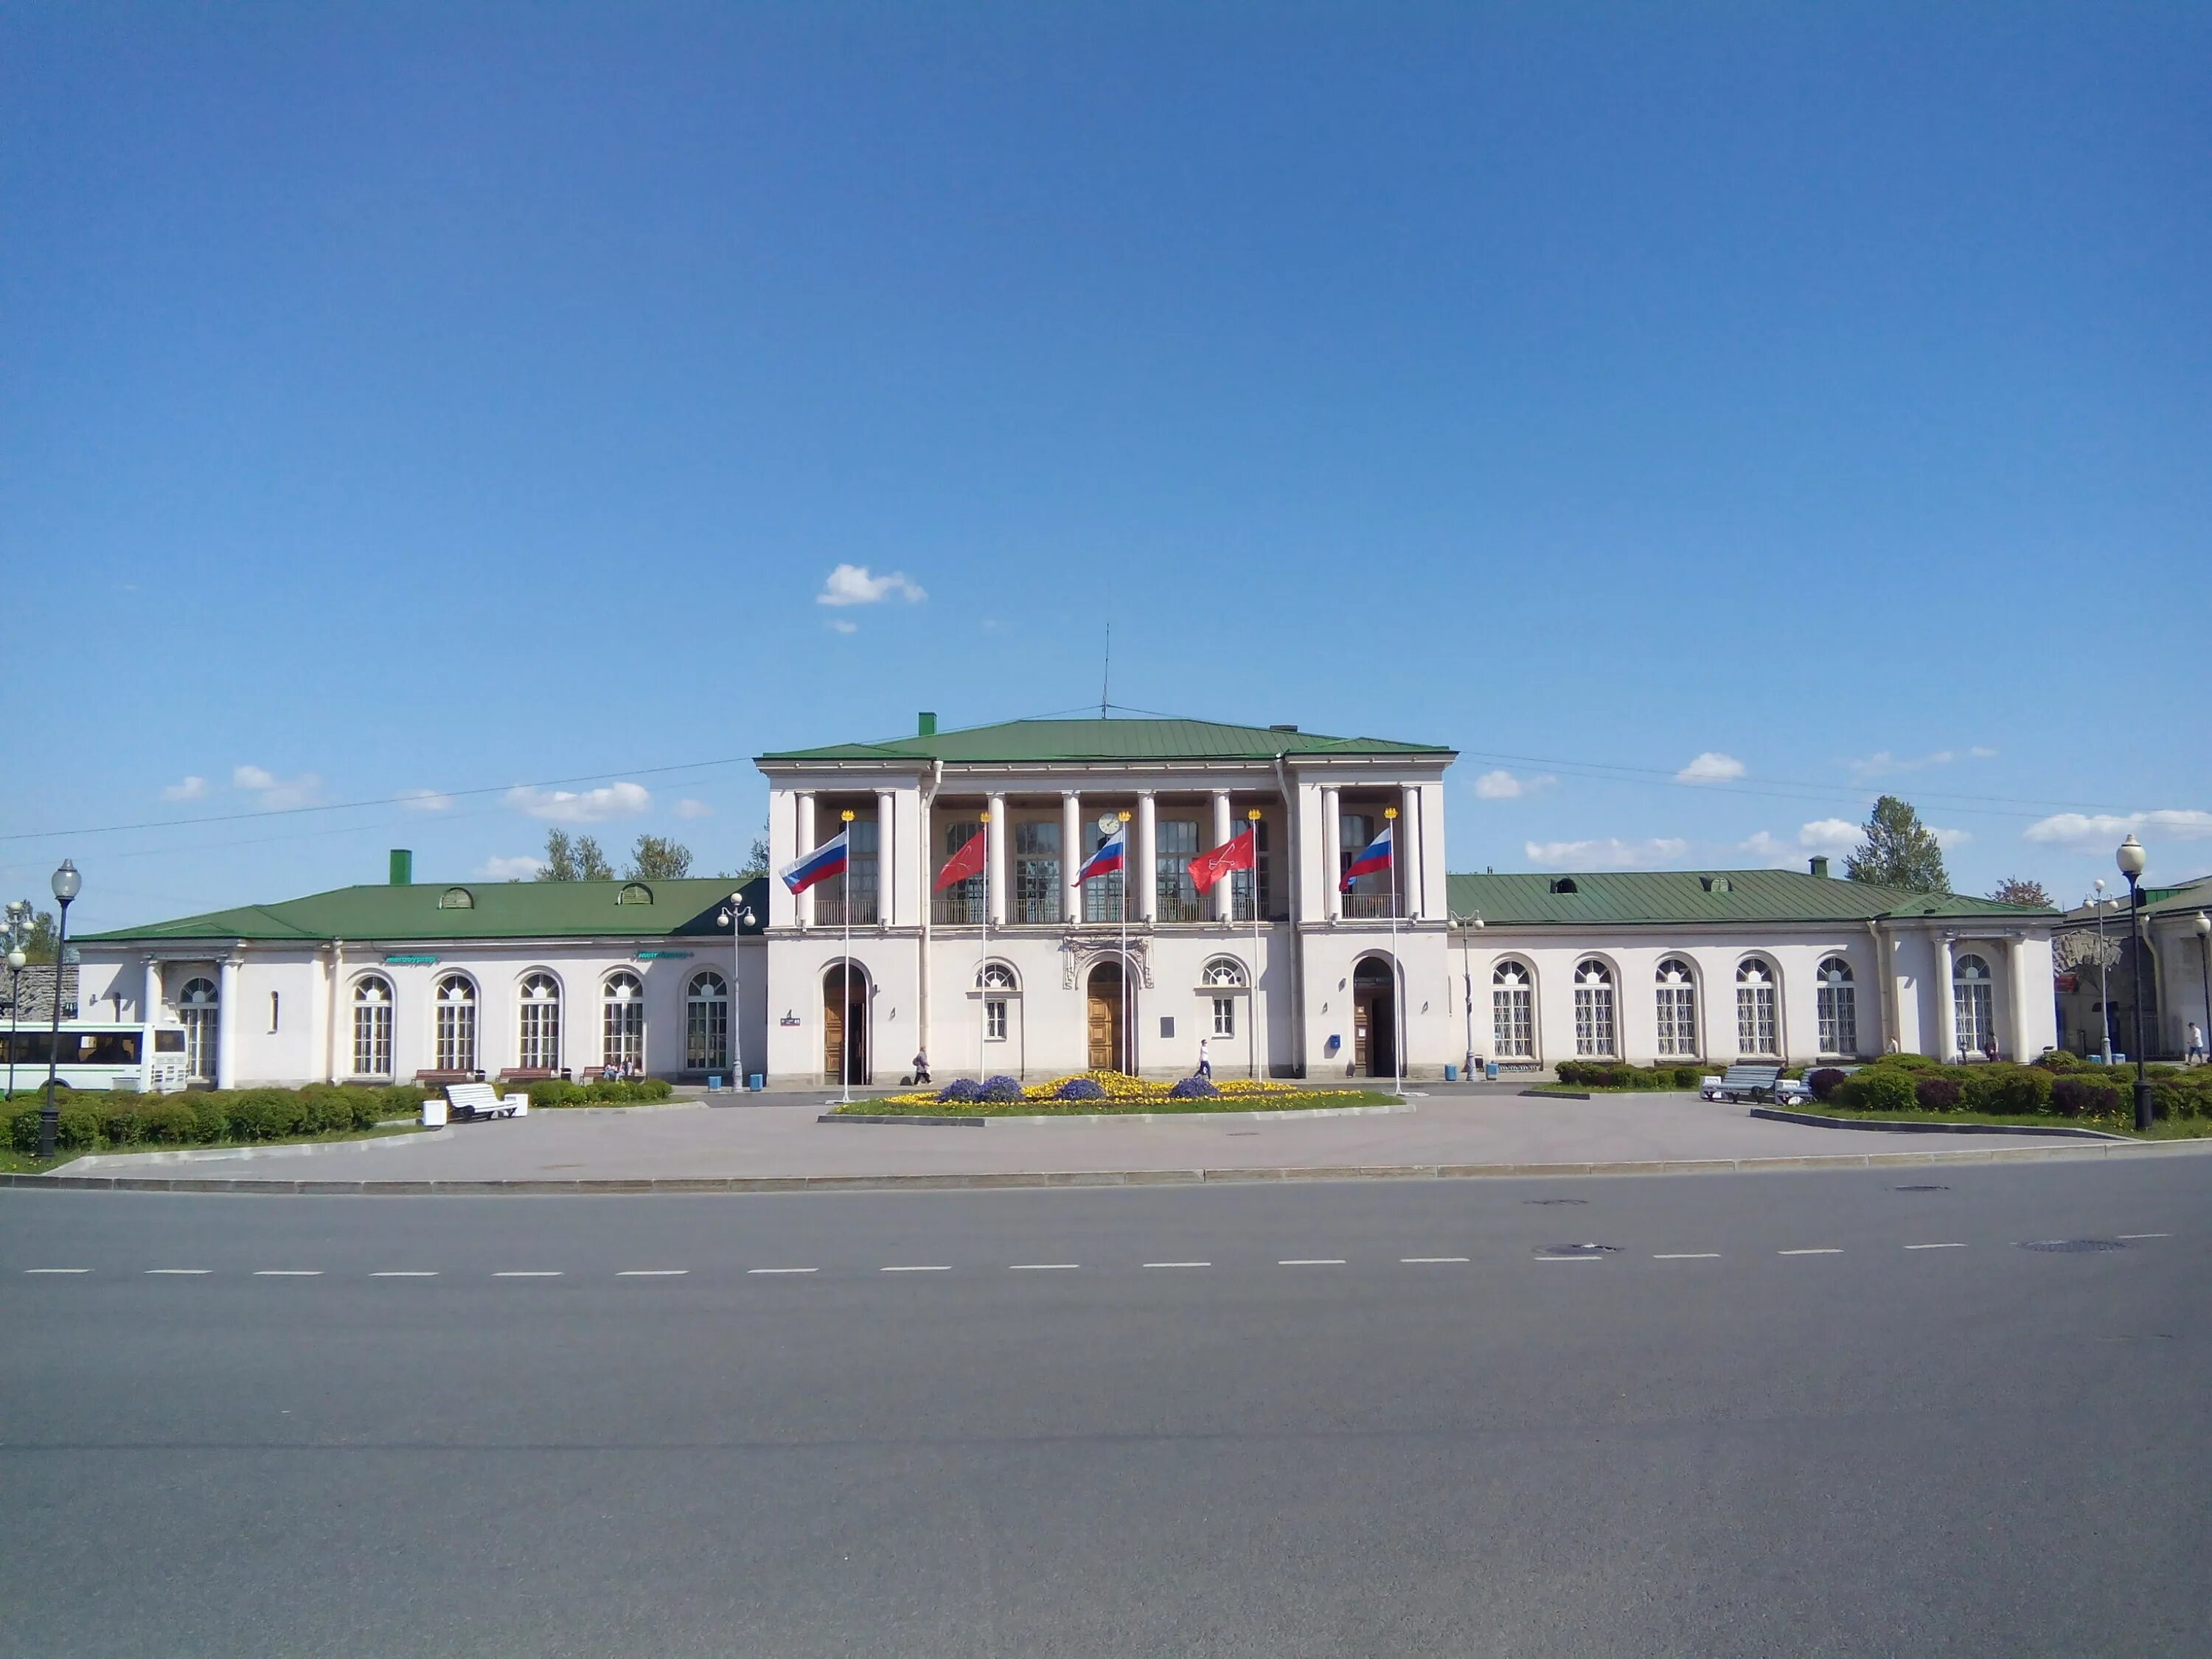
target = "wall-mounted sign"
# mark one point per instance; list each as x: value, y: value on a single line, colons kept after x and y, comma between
x: 662, y: 955
x: 788, y: 1020
x: 411, y: 961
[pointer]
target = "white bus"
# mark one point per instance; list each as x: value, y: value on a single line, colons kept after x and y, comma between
x: 147, y: 1058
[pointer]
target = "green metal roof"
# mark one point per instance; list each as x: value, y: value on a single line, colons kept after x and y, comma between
x: 1619, y: 897
x: 1107, y: 740
x: 2189, y: 895
x: 502, y: 910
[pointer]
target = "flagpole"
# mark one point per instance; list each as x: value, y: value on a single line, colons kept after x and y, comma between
x: 845, y: 1025
x: 1128, y: 979
x: 983, y: 967
x: 1398, y: 990
x: 1252, y: 817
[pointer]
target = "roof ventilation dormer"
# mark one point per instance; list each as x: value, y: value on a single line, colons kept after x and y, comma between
x: 1565, y: 885
x: 1714, y: 883
x: 457, y: 898
x: 633, y: 892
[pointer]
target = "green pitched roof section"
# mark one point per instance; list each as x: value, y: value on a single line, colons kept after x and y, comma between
x: 1620, y: 898
x: 431, y: 912
x: 2188, y: 896
x: 1032, y: 741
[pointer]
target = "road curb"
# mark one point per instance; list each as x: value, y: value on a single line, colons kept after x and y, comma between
x: 1108, y: 1120
x: 2078, y: 1150
x: 1908, y: 1126
x: 234, y: 1154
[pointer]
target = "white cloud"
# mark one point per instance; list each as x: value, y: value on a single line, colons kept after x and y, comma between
x: 855, y: 584
x: 1947, y: 839
x: 521, y: 868
x: 613, y: 800
x: 1830, y: 835
x: 1980, y: 753
x: 2099, y: 832
x: 275, y: 794
x: 1503, y: 785
x: 1711, y: 766
x: 1763, y: 845
x: 424, y: 800
x: 1607, y: 854
x: 687, y: 808
x: 843, y: 626
x: 191, y: 788
x: 1882, y: 764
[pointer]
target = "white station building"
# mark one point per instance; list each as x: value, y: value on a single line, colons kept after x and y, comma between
x: 1019, y: 971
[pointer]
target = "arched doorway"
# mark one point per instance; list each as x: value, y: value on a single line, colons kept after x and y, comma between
x: 1107, y: 1008
x: 1374, y: 1020
x: 845, y: 1025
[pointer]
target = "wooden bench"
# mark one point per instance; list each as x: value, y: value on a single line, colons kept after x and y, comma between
x: 530, y: 1074
x: 469, y: 1101
x: 1743, y: 1083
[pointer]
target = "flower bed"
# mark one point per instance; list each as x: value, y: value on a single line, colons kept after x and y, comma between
x: 1085, y: 1093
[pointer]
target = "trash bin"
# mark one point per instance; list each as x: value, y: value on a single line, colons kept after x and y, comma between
x: 756, y: 1083
x: 1489, y: 1069
x: 713, y: 1082
x: 434, y: 1112
x: 1451, y: 1074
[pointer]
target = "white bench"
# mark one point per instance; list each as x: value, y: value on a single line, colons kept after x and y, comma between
x: 471, y: 1101
x: 1741, y: 1082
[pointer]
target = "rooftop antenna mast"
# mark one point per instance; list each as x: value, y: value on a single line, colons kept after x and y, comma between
x: 1106, y: 679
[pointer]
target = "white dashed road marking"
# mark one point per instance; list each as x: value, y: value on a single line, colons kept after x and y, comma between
x: 1690, y: 1255
x: 1568, y: 1258
x: 1042, y: 1267
x: 653, y: 1273
x: 2143, y: 1235
x: 1935, y: 1247
x: 756, y: 1271
x: 1313, y: 1261
x: 288, y: 1273
x: 1822, y: 1250
x: 56, y: 1270
x: 530, y: 1273
x: 186, y: 1273
x: 405, y: 1273
x: 1178, y: 1264
x: 1424, y: 1261
x: 930, y: 1269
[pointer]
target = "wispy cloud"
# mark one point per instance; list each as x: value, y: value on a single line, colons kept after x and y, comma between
x: 613, y: 800
x: 521, y: 868
x: 274, y: 794
x: 687, y: 808
x: 1711, y: 766
x: 1502, y: 784
x: 188, y: 788
x: 1883, y: 764
x: 424, y: 800
x: 2082, y: 832
x: 1947, y: 839
x: 855, y: 584
x: 841, y: 625
x: 1607, y: 854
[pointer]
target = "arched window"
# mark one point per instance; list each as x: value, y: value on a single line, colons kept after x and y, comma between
x: 457, y: 898
x: 1224, y: 974
x: 541, y: 1023
x: 372, y: 1026
x: 1839, y: 1008
x: 455, y: 1049
x: 1678, y: 1009
x: 706, y: 1022
x: 1512, y: 1013
x: 622, y: 1022
x: 635, y: 892
x: 997, y: 983
x: 1594, y: 1022
x: 1756, y: 1027
x: 197, y: 1009
x: 1971, y: 1001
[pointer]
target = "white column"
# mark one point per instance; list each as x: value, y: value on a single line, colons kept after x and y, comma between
x: 332, y: 1007
x: 1409, y: 856
x: 1071, y: 854
x: 994, y: 853
x: 228, y: 1014
x: 1947, y: 1010
x: 806, y: 844
x: 1144, y: 879
x: 2016, y: 993
x: 886, y: 862
x: 149, y: 1006
x: 1332, y: 853
x: 1223, y: 894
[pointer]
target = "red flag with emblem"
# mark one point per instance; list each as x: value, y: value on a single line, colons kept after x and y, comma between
x: 964, y: 865
x: 1237, y: 852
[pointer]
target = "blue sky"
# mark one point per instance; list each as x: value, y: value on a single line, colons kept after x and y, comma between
x: 411, y: 397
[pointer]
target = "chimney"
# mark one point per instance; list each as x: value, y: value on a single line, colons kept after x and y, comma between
x: 1819, y: 864
x: 925, y: 725
x: 403, y: 867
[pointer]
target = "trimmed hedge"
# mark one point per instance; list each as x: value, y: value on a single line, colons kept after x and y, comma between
x: 1615, y: 1074
x: 552, y: 1092
x: 1824, y: 1082
x: 2001, y: 1088
x: 89, y: 1121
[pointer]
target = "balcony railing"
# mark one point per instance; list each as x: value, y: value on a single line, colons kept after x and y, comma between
x: 1173, y: 907
x: 832, y: 912
x: 956, y: 910
x: 1366, y: 907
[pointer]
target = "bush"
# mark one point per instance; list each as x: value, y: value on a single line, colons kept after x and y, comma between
x: 1937, y: 1094
x: 1685, y: 1076
x: 1904, y: 1062
x: 962, y: 1090
x: 120, y: 1124
x: 2059, y: 1060
x: 2185, y: 1097
x: 1080, y: 1088
x: 1823, y: 1082
x: 1875, y: 1089
x: 23, y: 1131
x: 2084, y: 1096
x: 1001, y: 1091
x: 170, y: 1122
x: 1194, y: 1088
x: 2008, y: 1090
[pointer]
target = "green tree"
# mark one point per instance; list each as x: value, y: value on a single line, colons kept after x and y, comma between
x: 2020, y: 890
x: 654, y: 858
x: 756, y: 862
x: 574, y: 859
x: 1898, y: 851
x: 38, y: 940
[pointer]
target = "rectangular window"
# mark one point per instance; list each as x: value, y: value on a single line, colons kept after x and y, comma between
x: 1513, y: 1025
x: 1678, y: 1020
x: 622, y: 1034
x: 994, y: 1018
x: 1839, y: 1020
x: 1370, y: 895
x: 1036, y: 893
x: 1594, y: 1020
x: 851, y: 897
x: 371, y: 1039
x: 706, y: 1033
x: 1175, y: 844
x: 541, y: 1036
x: 1224, y: 1017
x: 457, y: 1037
x: 272, y: 1013
x: 960, y: 905
x: 1755, y: 1019
x: 1973, y: 1005
x: 1242, y: 882
x: 1101, y: 894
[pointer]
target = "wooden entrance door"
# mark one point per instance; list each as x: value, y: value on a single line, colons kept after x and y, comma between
x: 844, y: 1027
x: 1107, y: 1027
x: 1374, y: 1021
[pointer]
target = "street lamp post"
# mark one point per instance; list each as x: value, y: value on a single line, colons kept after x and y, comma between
x: 1466, y: 924
x: 15, y: 962
x: 2131, y: 857
x: 737, y: 917
x: 2204, y: 926
x: 2104, y: 977
x: 66, y: 883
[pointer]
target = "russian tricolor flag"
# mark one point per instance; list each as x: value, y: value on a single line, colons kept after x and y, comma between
x: 1112, y: 855
x: 1372, y: 862
x: 824, y: 861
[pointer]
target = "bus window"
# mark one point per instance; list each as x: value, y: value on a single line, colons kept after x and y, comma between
x: 168, y: 1043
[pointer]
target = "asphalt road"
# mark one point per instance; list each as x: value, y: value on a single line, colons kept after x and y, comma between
x: 1765, y: 1424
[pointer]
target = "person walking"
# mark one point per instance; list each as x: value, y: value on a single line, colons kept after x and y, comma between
x: 921, y: 1066
x: 2195, y: 1042
x: 1206, y: 1058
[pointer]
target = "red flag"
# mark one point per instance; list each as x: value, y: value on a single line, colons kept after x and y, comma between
x: 1236, y: 854
x: 965, y: 864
